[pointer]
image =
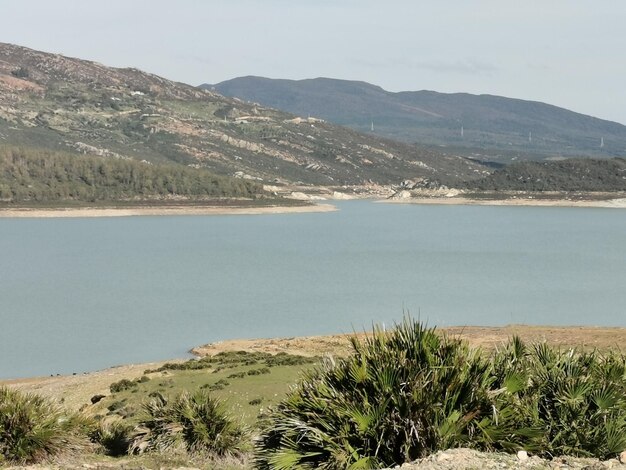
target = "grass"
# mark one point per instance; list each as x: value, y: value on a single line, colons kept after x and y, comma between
x: 241, y: 393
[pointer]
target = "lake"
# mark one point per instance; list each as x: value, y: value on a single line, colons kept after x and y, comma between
x: 83, y: 294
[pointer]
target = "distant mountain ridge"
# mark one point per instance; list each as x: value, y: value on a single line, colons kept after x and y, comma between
x: 428, y: 117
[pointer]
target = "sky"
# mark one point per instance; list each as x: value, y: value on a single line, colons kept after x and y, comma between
x: 570, y: 53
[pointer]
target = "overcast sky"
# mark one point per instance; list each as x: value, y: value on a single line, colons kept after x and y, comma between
x: 570, y: 53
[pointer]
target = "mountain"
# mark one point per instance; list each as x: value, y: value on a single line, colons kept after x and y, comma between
x: 480, y: 122
x: 66, y: 104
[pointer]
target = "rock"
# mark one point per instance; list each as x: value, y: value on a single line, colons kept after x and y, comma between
x: 96, y: 398
x: 522, y: 455
x: 299, y: 196
x: 404, y: 194
x: 622, y: 458
x: 338, y: 195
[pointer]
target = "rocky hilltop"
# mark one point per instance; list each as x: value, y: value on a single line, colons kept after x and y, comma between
x: 61, y: 103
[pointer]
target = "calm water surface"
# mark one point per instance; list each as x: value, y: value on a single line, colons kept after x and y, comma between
x: 83, y: 294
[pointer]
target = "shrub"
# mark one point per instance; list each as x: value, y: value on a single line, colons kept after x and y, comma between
x: 115, y: 436
x: 122, y: 385
x: 21, y: 72
x: 219, y: 385
x: 33, y: 428
x: 284, y: 359
x: 398, y: 397
x: 237, y: 375
x: 116, y: 405
x: 574, y: 400
x: 407, y: 393
x: 197, y: 422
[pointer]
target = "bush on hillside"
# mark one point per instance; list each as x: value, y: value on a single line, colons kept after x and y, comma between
x: 197, y: 422
x: 33, y: 428
x: 407, y: 393
x: 399, y: 396
x: 115, y: 436
x: 575, y: 400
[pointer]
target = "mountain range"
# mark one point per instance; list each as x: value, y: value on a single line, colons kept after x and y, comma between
x: 59, y: 103
x: 504, y: 128
x: 53, y: 107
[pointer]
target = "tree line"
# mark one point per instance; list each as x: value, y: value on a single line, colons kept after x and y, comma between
x: 573, y: 174
x: 33, y: 175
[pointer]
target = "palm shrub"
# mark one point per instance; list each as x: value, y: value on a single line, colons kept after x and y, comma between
x: 115, y: 436
x: 401, y: 395
x: 559, y: 402
x: 33, y: 428
x: 197, y: 422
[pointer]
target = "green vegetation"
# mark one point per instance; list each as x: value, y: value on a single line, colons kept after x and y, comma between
x: 555, y: 402
x: 28, y: 175
x: 115, y: 436
x: 33, y: 428
x: 82, y: 107
x: 574, y: 174
x: 398, y: 397
x: 401, y: 395
x: 199, y: 422
x: 238, y: 377
x: 408, y: 393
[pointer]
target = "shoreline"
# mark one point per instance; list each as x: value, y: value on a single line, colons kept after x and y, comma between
x: 618, y: 203
x: 321, y: 206
x: 82, y: 212
x: 76, y: 390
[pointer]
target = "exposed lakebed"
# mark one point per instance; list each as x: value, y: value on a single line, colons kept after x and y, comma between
x: 82, y: 294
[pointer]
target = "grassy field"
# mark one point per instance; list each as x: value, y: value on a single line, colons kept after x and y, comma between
x: 249, y: 382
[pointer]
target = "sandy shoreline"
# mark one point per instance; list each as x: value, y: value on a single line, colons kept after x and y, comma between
x: 158, y: 211
x: 76, y: 390
x: 78, y: 212
x: 619, y: 203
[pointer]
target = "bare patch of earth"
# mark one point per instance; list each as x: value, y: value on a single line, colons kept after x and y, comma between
x: 467, y: 459
x: 452, y: 459
x: 586, y: 337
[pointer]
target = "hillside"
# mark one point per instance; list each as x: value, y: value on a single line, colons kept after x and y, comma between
x: 490, y: 123
x: 574, y: 174
x: 59, y: 103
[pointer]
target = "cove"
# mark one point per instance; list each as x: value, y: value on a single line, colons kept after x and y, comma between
x: 84, y: 294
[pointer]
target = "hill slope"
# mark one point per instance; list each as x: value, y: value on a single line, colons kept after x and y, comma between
x: 573, y: 174
x: 60, y: 103
x: 428, y: 117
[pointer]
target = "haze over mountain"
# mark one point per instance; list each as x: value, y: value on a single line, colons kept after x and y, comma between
x: 60, y: 103
x: 528, y: 128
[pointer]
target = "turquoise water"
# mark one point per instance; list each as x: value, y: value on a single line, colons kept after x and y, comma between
x: 83, y: 294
